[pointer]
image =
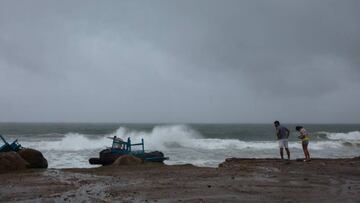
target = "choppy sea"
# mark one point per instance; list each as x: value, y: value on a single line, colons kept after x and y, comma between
x: 68, y: 145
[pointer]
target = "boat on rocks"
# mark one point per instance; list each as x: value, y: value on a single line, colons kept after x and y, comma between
x: 121, y: 148
x: 7, y: 147
x: 13, y: 157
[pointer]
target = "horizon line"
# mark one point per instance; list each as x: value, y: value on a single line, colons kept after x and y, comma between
x: 166, y: 123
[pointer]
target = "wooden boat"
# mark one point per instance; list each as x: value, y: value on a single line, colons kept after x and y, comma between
x: 120, y: 148
x: 6, y: 147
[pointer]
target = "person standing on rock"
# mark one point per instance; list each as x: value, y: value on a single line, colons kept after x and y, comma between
x: 282, y: 134
x: 304, y: 136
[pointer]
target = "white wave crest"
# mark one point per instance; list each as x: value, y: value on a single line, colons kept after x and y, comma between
x: 161, y: 137
x: 350, y: 136
x: 170, y: 137
x: 70, y: 142
x: 181, y: 136
x: 180, y: 142
x: 320, y: 145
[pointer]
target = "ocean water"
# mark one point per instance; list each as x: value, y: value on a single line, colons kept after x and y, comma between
x: 68, y: 145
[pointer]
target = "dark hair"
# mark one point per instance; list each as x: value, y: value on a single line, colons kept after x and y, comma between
x: 277, y: 123
x: 298, y: 128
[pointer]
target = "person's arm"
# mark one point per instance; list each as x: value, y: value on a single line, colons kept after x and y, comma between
x: 287, y: 132
x: 302, y: 134
x: 278, y: 133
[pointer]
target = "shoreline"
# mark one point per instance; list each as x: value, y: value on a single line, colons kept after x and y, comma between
x: 234, y: 180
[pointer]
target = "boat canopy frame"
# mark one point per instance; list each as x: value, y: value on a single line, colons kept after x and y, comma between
x: 122, y: 147
x: 14, y: 146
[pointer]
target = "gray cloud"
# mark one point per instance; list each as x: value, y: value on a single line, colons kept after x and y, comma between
x: 180, y: 61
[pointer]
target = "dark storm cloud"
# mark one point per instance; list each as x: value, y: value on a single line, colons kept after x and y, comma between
x: 180, y: 61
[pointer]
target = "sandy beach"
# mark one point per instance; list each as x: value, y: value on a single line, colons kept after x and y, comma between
x: 235, y: 180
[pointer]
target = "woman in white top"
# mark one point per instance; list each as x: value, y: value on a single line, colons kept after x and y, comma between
x: 304, y: 136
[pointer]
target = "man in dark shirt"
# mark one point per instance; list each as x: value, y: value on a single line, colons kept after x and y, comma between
x: 282, y: 134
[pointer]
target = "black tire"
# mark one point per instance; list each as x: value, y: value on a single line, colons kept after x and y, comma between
x: 95, y: 161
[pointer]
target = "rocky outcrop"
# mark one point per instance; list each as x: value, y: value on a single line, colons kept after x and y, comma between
x: 126, y: 160
x: 10, y: 161
x: 33, y: 157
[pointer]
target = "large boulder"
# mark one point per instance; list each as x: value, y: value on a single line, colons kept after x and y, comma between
x: 126, y: 160
x: 33, y: 157
x: 10, y: 161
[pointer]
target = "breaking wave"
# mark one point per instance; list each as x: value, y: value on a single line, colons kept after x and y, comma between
x: 182, y: 144
x: 169, y: 137
x: 350, y: 136
x: 70, y: 142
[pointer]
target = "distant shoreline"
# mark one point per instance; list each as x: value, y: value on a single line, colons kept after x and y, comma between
x: 169, y: 123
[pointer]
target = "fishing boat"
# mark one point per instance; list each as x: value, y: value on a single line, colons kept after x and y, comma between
x: 7, y: 147
x: 120, y: 148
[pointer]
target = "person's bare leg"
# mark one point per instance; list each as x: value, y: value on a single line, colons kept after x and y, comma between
x: 307, y: 153
x: 288, y: 153
x: 282, y: 153
x: 304, y: 149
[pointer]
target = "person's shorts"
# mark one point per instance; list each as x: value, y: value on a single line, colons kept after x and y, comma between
x: 283, y: 143
x: 305, y: 142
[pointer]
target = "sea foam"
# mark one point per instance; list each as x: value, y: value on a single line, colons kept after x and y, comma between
x: 70, y: 142
x: 169, y: 137
x: 182, y: 144
x: 350, y: 136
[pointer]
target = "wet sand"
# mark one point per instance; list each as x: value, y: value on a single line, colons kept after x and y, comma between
x: 235, y: 180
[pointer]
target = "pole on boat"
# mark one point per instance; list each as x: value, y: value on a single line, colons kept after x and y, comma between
x: 142, y: 141
x: 3, y: 139
x: 129, y: 144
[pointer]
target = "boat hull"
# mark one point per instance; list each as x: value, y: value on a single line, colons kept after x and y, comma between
x: 107, y: 157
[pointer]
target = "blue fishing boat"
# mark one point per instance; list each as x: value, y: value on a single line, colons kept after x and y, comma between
x: 120, y: 148
x: 7, y: 147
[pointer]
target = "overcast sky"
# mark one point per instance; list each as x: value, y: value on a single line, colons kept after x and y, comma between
x: 180, y: 61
